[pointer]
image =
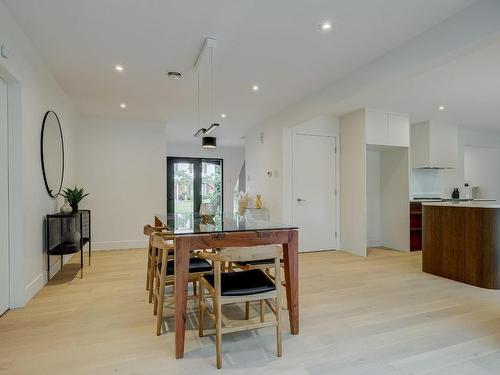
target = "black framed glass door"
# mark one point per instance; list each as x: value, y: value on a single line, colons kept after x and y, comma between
x: 193, y: 181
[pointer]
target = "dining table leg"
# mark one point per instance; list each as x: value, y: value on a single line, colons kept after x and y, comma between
x: 291, y: 259
x: 182, y: 249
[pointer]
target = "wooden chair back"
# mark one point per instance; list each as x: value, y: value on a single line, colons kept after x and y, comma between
x: 149, y: 229
x: 162, y: 240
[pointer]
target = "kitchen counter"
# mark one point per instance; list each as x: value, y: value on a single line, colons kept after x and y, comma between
x: 469, y: 204
x: 461, y: 241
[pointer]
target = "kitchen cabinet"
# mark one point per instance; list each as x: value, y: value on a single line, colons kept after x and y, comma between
x: 387, y: 128
x: 434, y: 145
x: 415, y: 226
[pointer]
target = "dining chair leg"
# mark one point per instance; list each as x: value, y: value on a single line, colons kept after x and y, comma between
x: 160, y: 296
x: 218, y: 331
x: 152, y: 274
x: 279, y: 339
x: 148, y: 269
x: 201, y: 309
x: 247, y: 310
x: 261, y: 308
x: 156, y: 289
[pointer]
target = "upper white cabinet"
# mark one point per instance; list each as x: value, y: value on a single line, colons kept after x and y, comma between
x: 434, y: 145
x: 387, y: 128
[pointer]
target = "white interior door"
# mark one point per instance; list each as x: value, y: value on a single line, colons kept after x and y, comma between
x: 4, y: 202
x: 314, y: 183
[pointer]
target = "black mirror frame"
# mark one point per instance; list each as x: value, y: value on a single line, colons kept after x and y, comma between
x: 41, y: 153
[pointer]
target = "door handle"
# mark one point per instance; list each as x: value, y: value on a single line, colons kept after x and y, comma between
x: 300, y: 200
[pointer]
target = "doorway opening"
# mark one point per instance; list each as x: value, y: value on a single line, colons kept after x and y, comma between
x: 191, y: 182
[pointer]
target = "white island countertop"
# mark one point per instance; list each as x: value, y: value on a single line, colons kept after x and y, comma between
x: 466, y: 204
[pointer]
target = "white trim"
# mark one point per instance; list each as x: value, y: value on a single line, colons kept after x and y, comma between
x: 119, y: 245
x: 34, y: 286
x: 15, y: 145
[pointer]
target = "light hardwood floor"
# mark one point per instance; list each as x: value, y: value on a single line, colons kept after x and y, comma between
x: 375, y: 315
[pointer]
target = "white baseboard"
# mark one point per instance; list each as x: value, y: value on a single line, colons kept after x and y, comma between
x: 34, y: 286
x: 119, y: 245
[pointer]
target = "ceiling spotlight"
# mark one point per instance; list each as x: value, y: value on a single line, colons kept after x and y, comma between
x: 119, y: 68
x: 123, y: 105
x: 325, y: 26
x: 209, y: 142
x: 174, y: 75
x: 441, y: 108
x: 223, y: 115
x: 255, y: 88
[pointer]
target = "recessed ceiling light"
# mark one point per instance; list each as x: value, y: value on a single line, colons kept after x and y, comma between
x: 255, y: 88
x: 119, y: 68
x: 441, y: 108
x: 325, y: 26
x: 174, y: 75
x: 223, y: 115
x: 123, y: 105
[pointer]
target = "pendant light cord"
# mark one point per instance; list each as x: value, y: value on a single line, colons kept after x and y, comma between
x: 198, y: 96
x: 212, y: 88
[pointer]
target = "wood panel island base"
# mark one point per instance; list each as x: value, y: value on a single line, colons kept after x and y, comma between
x: 461, y: 241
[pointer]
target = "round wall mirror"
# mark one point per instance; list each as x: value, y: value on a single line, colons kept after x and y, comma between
x: 52, y: 148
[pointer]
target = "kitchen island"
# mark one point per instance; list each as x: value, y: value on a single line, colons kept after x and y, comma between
x: 461, y: 241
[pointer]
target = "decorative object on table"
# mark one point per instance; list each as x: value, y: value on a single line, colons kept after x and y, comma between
x: 455, y: 194
x: 467, y: 191
x: 66, y: 208
x: 74, y: 196
x: 258, y: 201
x: 242, y: 202
x: 68, y: 234
x: 52, y: 153
x: 207, y: 213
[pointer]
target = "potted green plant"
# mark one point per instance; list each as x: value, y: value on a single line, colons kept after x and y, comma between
x: 74, y: 196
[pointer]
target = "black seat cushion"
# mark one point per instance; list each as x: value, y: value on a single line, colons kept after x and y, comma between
x: 243, y: 283
x: 195, y: 265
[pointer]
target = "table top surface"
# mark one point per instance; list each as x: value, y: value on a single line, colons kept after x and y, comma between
x: 188, y: 223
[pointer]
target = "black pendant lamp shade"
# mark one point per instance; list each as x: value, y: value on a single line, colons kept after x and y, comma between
x: 209, y: 142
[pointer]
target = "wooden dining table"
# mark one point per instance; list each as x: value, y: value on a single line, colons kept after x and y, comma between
x: 228, y: 230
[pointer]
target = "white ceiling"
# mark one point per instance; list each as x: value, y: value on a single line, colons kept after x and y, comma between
x: 276, y: 44
x: 468, y: 87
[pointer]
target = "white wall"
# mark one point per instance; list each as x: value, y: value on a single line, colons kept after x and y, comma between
x: 122, y: 166
x: 353, y: 183
x: 232, y: 157
x: 440, y: 182
x: 37, y: 92
x: 373, y: 198
x: 262, y: 157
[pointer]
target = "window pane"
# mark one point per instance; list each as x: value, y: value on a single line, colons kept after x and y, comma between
x: 211, y: 185
x: 183, y: 188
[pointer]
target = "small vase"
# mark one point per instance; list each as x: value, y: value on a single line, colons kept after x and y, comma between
x: 75, y: 207
x: 258, y: 201
x: 65, y: 208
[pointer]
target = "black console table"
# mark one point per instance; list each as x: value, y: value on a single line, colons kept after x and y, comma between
x: 68, y: 234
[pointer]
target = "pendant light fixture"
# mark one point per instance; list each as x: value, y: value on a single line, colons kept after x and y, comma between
x: 207, y: 142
